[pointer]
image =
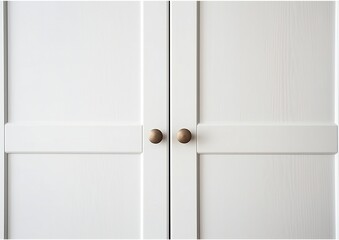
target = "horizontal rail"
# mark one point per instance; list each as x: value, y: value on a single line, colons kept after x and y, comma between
x: 266, y: 139
x: 31, y: 138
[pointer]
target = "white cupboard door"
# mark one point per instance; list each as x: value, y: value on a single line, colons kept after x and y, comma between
x: 254, y: 82
x: 86, y: 82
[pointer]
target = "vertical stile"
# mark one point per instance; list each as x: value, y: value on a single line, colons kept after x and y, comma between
x: 183, y: 55
x: 155, y: 157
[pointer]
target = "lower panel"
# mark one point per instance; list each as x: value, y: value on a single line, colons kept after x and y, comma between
x: 267, y: 196
x: 74, y: 196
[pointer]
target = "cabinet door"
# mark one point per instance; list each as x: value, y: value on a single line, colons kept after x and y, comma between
x: 254, y: 82
x: 85, y: 83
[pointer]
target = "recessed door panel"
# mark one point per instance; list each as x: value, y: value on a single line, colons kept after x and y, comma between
x: 266, y: 62
x: 74, y: 196
x: 290, y: 196
x: 71, y: 52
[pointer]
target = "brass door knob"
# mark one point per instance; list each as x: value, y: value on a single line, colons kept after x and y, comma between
x: 155, y: 136
x: 184, y: 135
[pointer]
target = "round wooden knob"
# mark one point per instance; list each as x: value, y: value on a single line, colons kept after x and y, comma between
x: 184, y: 135
x: 155, y: 136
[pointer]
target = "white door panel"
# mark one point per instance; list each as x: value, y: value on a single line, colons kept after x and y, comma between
x: 261, y: 160
x: 82, y: 96
x: 272, y: 60
x: 84, y: 57
x: 266, y: 196
x: 74, y: 196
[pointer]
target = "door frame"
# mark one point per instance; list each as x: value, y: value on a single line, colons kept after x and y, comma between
x: 3, y: 119
x: 336, y: 84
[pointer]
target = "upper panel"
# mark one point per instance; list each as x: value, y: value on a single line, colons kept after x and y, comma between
x: 266, y: 61
x: 67, y: 53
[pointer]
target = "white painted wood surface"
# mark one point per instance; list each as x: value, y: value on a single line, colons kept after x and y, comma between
x: 336, y: 117
x: 284, y: 139
x: 267, y: 64
x: 280, y: 54
x: 76, y: 138
x: 156, y: 115
x: 183, y: 114
x: 73, y: 51
x: 3, y: 165
x: 266, y: 196
x: 82, y: 80
x: 231, y: 63
x: 74, y: 196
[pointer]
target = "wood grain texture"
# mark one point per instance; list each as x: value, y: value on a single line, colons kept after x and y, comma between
x: 266, y: 61
x: 76, y: 138
x: 72, y: 51
x: 156, y: 115
x: 267, y: 196
x: 183, y: 114
x: 88, y: 77
x: 74, y: 196
x: 256, y: 139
